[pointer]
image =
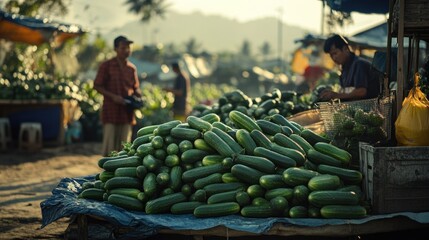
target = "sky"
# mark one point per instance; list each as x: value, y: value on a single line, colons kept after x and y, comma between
x: 96, y: 14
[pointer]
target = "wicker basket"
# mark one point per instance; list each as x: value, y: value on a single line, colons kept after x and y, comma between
x: 382, y: 105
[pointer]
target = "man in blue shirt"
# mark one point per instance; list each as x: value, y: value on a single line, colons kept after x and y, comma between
x: 358, y: 80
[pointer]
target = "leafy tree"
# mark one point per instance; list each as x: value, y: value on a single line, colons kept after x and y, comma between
x: 338, y: 18
x: 265, y: 49
x: 245, y: 49
x: 32, y: 8
x: 147, y: 8
x: 192, y: 47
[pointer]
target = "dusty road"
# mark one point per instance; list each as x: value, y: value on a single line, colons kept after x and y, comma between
x: 27, y: 179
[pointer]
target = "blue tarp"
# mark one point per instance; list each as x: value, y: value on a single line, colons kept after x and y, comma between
x: 361, y: 6
x: 64, y: 202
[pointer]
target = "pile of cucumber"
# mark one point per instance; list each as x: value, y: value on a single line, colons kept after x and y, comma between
x: 270, y: 167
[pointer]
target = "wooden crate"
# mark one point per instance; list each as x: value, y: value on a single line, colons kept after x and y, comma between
x: 395, y: 179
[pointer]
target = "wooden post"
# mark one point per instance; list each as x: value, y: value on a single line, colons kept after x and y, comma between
x: 400, y: 73
x: 82, y: 227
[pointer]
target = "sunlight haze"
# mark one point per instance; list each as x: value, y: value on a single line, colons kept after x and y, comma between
x: 98, y: 15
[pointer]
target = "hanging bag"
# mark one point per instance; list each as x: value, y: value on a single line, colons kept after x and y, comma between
x: 412, y: 124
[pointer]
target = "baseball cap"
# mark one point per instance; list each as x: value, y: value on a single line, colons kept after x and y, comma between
x: 121, y: 39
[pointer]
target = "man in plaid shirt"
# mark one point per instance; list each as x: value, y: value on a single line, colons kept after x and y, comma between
x: 116, y: 79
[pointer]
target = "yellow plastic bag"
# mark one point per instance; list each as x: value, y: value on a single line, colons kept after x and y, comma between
x: 412, y: 124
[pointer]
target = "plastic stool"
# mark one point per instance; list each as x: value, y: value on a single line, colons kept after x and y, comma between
x: 30, y: 136
x: 5, y: 133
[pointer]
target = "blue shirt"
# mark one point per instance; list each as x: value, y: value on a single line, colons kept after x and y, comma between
x: 359, y: 73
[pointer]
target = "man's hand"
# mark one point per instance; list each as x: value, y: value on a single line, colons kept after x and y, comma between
x: 118, y: 99
x: 327, y: 95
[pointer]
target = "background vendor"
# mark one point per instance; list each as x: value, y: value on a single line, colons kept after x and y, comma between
x: 358, y: 79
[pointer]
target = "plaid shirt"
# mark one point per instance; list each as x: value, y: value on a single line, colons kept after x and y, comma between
x: 121, y: 81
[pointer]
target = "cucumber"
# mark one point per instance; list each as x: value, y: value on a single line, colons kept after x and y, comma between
x: 349, y: 176
x: 298, y: 176
x: 246, y: 174
x: 279, y: 204
x: 255, y: 191
x: 332, y: 197
x: 149, y: 184
x: 145, y: 149
x: 164, y: 129
x: 106, y: 175
x: 286, y: 141
x: 126, y: 172
x: 141, y: 140
x: 228, y: 178
x: 228, y: 140
x: 243, y: 121
x: 202, y: 145
x: 222, y: 126
x: 272, y: 181
x: 260, y: 139
x: 163, y: 204
x: 151, y: 163
x: 210, y: 179
x: 218, y: 144
x: 242, y: 198
x: 352, y: 188
x: 185, y: 133
x: 92, y: 193
x: 314, y: 212
x: 222, y: 187
x: 113, y: 164
x: 102, y: 160
x: 259, y: 201
x: 283, y: 192
x: 212, y: 159
x: 281, y: 120
x: 300, y: 195
x: 130, y: 192
x: 185, y: 207
x: 246, y: 141
x: 298, y: 212
x: 269, y: 128
x: 146, y: 130
x: 222, y: 197
x: 313, y: 137
x: 157, y: 142
x: 334, y: 151
x: 200, y: 172
x: 217, y: 209
x: 198, y: 123
x: 122, y: 182
x: 262, y: 211
x: 301, y: 141
x: 259, y: 163
x: 200, y: 195
x: 128, y: 203
x: 292, y: 153
x: 343, y: 211
x: 193, y: 155
x: 211, y: 118
x: 317, y: 158
x: 279, y: 160
x: 324, y: 182
x: 176, y: 178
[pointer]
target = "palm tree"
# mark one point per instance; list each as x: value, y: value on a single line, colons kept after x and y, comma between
x: 147, y: 8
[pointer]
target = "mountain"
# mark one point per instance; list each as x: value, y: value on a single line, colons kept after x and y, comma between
x: 213, y: 33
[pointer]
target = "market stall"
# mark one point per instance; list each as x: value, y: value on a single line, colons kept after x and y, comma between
x: 54, y: 116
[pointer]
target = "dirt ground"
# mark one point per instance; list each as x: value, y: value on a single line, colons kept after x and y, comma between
x: 27, y: 179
